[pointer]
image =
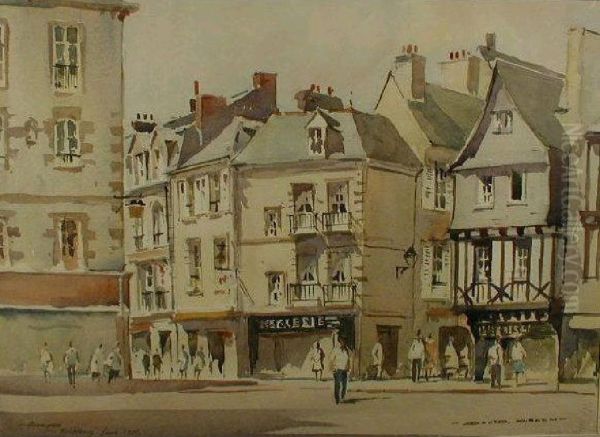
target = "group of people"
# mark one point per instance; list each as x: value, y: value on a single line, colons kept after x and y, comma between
x: 423, y: 357
x: 495, y: 361
x: 152, y: 364
x: 110, y: 367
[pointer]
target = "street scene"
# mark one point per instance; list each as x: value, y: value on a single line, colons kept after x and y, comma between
x: 207, y: 227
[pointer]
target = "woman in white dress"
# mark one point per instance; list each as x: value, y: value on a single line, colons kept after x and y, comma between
x: 450, y: 359
x: 317, y: 359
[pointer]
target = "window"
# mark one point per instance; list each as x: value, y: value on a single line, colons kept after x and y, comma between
x: 440, y: 265
x: 215, y: 191
x: 69, y: 243
x: 185, y: 204
x: 483, y: 262
x: 3, y: 242
x: 486, y: 191
x: 66, y: 57
x: 201, y: 195
x: 3, y: 54
x: 437, y: 191
x: 221, y: 261
x: 435, y: 269
x: 315, y: 141
x: 522, y: 248
x: 195, y: 265
x: 338, y: 197
x: 67, y: 140
x: 138, y: 233
x: 141, y: 167
x: 157, y: 224
x: 307, y: 269
x: 517, y: 186
x: 303, y: 198
x: 503, y: 122
x: 340, y: 271
x: 147, y: 287
x: 272, y: 222
x: 276, y: 287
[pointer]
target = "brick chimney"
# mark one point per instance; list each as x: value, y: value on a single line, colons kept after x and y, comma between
x: 409, y: 71
x: 210, y: 105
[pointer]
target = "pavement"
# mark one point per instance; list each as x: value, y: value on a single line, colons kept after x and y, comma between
x: 302, y: 407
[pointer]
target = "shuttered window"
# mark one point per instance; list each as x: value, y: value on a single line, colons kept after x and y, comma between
x: 66, y: 140
x: 201, y: 195
x: 66, y: 57
x: 435, y: 270
x: 428, y: 188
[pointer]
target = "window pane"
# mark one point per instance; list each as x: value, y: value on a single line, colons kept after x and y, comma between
x: 59, y: 33
x: 73, y: 56
x: 517, y: 186
x: 72, y: 35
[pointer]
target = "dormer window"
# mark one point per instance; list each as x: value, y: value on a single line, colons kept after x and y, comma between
x: 503, y: 122
x: 486, y: 191
x: 316, y: 143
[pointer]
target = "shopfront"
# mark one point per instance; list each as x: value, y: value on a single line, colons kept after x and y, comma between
x: 282, y: 345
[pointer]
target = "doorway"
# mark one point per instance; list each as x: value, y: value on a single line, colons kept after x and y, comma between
x: 389, y: 342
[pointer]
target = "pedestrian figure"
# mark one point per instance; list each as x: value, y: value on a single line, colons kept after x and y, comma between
x: 377, y: 357
x: 146, y: 363
x: 495, y: 355
x: 46, y: 362
x: 115, y: 362
x: 463, y: 362
x: 431, y: 357
x: 416, y: 356
x: 517, y: 356
x: 156, y: 364
x: 340, y: 360
x: 96, y: 363
x: 184, y: 361
x: 200, y: 363
x: 71, y: 360
x: 317, y: 359
x: 450, y: 359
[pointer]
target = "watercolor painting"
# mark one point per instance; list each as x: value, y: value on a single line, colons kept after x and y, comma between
x: 316, y: 217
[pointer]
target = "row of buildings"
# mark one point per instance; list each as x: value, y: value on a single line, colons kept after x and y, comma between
x: 466, y: 209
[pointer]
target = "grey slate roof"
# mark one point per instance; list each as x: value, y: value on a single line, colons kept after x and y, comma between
x: 283, y: 139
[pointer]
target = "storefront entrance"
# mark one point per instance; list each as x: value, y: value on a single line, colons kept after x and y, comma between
x: 389, y: 342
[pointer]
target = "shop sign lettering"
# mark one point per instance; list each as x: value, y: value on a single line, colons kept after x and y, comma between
x: 297, y: 323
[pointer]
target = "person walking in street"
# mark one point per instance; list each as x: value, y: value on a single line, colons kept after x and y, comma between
x: 46, y: 362
x: 340, y: 360
x: 416, y: 356
x: 156, y: 364
x: 450, y: 359
x: 115, y: 362
x: 71, y: 360
x: 96, y: 363
x: 517, y: 356
x: 377, y: 357
x: 317, y: 359
x: 146, y: 363
x: 200, y: 363
x: 495, y: 356
x: 431, y: 357
x: 184, y: 361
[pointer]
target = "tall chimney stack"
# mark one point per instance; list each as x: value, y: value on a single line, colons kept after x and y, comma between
x: 490, y: 41
x: 409, y: 71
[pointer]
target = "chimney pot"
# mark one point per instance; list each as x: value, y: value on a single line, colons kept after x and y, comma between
x: 193, y: 105
x: 330, y: 91
x: 138, y: 116
x: 464, y: 53
x: 409, y: 49
x: 196, y: 87
x: 451, y: 56
x: 416, y: 48
x: 319, y: 89
x: 145, y: 116
x: 312, y: 86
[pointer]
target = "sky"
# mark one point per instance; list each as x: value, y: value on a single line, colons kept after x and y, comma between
x: 346, y: 44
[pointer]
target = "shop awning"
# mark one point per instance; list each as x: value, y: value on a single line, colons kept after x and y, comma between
x: 591, y: 321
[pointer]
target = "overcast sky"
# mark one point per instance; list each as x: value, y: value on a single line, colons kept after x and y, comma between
x: 346, y: 44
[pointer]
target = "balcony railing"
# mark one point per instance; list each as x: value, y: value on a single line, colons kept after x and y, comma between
x: 66, y: 77
x: 337, y: 221
x: 339, y: 293
x: 516, y: 292
x: 69, y: 158
x: 317, y: 294
x: 303, y: 223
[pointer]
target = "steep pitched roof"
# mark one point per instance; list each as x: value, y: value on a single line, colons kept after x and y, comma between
x: 283, y: 139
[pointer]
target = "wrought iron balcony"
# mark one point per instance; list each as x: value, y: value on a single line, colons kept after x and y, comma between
x: 337, y: 221
x: 303, y: 223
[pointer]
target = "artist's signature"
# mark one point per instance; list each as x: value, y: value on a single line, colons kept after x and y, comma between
x: 76, y: 430
x: 520, y: 421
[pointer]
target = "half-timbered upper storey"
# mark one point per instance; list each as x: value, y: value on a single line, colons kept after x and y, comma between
x: 509, y: 176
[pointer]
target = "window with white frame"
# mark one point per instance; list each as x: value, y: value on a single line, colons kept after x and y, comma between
x: 338, y: 197
x: 272, y: 222
x: 221, y: 255
x: 66, y: 137
x: 158, y: 224
x: 3, y: 242
x: 503, y: 122
x: 486, y: 191
x: 138, y: 233
x: 3, y: 53
x: 66, y: 57
x: 183, y: 199
x: 141, y: 167
x: 214, y: 182
x: 307, y: 268
x: 147, y: 287
x: 340, y: 269
x: 316, y: 142
x: 437, y: 192
x: 522, y: 251
x: 483, y: 262
x: 304, y: 198
x: 517, y: 186
x: 195, y: 264
x: 69, y: 243
x: 276, y: 288
x: 435, y: 269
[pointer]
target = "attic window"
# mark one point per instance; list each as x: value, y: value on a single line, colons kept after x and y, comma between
x: 316, y: 141
x: 503, y: 122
